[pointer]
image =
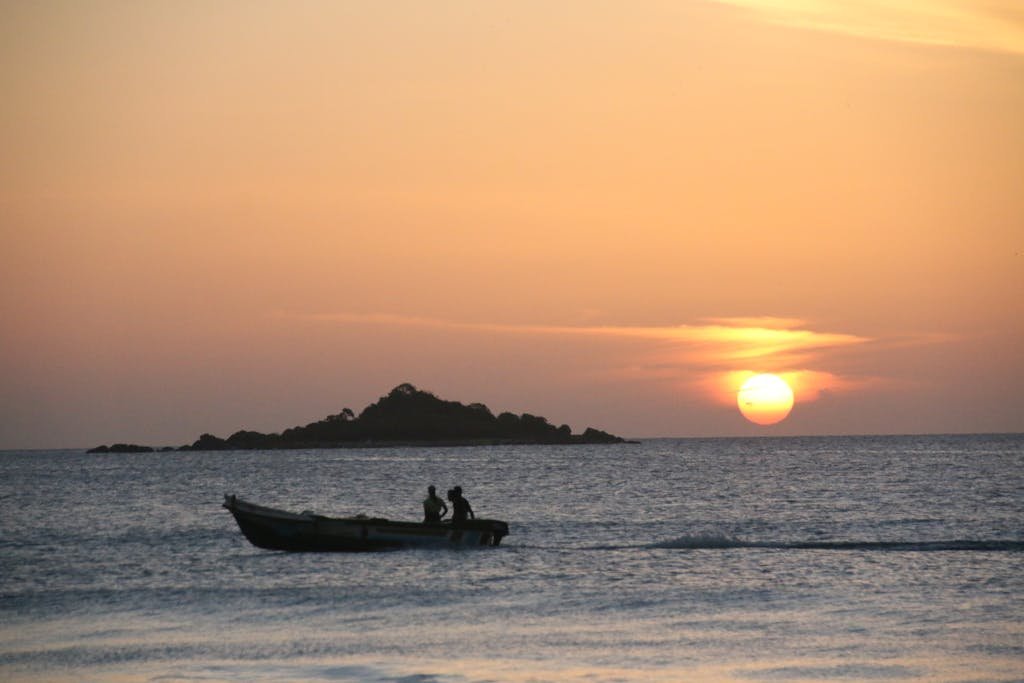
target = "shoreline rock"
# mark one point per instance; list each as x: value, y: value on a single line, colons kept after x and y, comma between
x: 122, y: 448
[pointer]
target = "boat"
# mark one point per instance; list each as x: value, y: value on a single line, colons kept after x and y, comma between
x: 275, y: 529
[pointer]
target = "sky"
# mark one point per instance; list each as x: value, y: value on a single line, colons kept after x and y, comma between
x: 250, y: 215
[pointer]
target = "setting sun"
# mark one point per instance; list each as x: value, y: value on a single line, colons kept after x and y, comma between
x: 765, y: 399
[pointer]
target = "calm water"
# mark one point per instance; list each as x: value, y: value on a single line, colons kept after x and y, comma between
x: 832, y: 559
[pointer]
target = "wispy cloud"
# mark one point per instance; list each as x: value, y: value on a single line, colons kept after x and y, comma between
x: 713, y: 356
x: 715, y: 342
x: 992, y: 25
x: 710, y: 358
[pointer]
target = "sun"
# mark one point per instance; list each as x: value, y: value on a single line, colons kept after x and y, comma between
x: 765, y: 399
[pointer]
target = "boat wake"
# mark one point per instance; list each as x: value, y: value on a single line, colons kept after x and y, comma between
x: 726, y: 543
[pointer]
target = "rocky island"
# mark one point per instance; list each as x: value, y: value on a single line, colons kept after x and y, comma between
x: 407, y: 416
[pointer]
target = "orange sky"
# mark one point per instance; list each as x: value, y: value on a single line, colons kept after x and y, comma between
x: 250, y: 215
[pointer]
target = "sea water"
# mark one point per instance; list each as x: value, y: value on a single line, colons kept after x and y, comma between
x: 773, y: 559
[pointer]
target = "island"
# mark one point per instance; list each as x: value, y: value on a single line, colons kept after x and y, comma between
x: 406, y: 416
x: 122, y: 448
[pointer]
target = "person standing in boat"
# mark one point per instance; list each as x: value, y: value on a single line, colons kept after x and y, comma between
x: 460, y: 506
x: 433, y: 507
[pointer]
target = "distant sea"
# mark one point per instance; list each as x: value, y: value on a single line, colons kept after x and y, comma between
x: 771, y: 559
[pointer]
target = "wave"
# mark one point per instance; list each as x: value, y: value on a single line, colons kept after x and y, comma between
x: 726, y: 543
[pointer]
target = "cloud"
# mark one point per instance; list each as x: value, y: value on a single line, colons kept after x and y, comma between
x: 725, y: 348
x: 709, y: 359
x: 773, y: 342
x: 995, y: 25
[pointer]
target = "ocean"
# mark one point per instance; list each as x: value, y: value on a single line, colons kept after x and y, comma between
x: 896, y: 558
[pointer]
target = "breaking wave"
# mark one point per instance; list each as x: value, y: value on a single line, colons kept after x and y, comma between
x: 713, y: 542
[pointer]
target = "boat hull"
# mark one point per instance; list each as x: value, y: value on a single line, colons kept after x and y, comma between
x: 274, y: 529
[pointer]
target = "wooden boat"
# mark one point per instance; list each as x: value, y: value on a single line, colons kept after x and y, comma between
x: 308, y: 532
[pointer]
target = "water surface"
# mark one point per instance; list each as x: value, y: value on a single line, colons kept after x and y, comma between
x: 804, y: 559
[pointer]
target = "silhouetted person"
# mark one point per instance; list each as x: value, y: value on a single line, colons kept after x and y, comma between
x: 433, y: 507
x: 460, y: 506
